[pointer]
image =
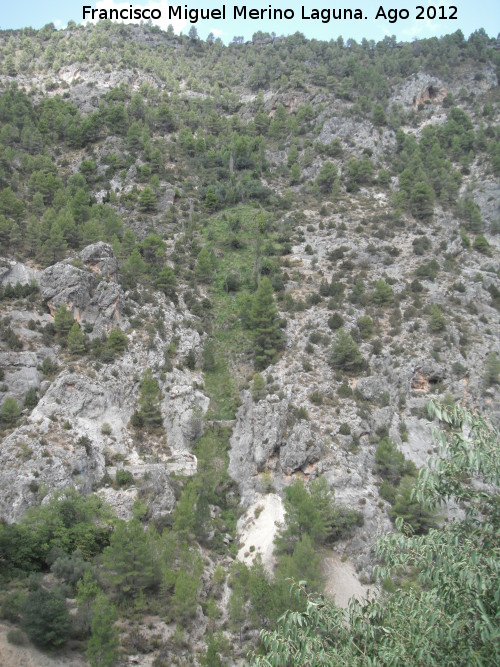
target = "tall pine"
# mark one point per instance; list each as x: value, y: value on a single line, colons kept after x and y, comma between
x: 149, y: 401
x: 267, y: 336
x: 76, y: 340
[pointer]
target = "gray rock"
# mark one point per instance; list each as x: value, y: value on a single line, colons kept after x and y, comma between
x: 64, y: 283
x: 91, y: 299
x: 267, y: 435
x: 184, y: 409
x: 87, y: 403
x: 38, y: 460
x: 100, y: 258
x: 256, y: 437
x: 302, y: 448
x: 12, y: 272
x: 371, y: 388
x: 419, y: 89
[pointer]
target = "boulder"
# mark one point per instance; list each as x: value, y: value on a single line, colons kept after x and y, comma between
x: 91, y: 299
x: 302, y: 448
x: 12, y: 272
x: 100, y: 258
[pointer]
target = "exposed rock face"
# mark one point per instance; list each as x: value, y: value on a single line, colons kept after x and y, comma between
x: 21, y: 372
x: 261, y: 440
x: 371, y: 388
x: 38, y: 459
x: 12, y: 272
x: 68, y: 284
x: 184, y: 409
x: 87, y: 403
x: 302, y: 447
x: 91, y: 299
x: 101, y: 259
x: 368, y: 136
x: 426, y: 375
x: 63, y: 444
x: 419, y: 89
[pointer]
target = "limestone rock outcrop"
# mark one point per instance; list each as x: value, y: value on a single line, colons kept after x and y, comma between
x: 88, y: 288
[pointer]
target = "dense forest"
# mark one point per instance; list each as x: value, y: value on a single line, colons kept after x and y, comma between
x: 232, y: 279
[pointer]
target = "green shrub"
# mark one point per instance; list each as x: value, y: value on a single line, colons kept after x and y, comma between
x: 258, y: 387
x: 345, y: 390
x: 316, y: 397
x: 10, y: 412
x: 117, y: 341
x: 387, y: 491
x: 30, y: 398
x: 301, y: 413
x: 365, y: 326
x: 492, y: 370
x: 481, y: 244
x: 437, y: 321
x: 49, y: 367
x: 428, y: 270
x: 382, y: 294
x: 209, y: 362
x: 390, y: 463
x: 124, y: 477
x: 45, y: 619
x: 335, y: 321
x: 345, y: 354
x: 16, y: 637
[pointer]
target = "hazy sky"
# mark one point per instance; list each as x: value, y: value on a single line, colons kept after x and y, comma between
x: 471, y: 15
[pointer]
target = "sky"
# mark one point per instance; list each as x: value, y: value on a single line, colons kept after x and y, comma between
x: 470, y: 16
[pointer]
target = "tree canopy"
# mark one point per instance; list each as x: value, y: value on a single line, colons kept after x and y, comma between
x: 447, y: 603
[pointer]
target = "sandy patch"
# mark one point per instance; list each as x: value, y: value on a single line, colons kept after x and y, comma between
x: 342, y: 582
x: 29, y: 656
x: 257, y: 529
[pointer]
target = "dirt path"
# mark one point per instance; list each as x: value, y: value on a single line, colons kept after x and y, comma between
x: 29, y: 656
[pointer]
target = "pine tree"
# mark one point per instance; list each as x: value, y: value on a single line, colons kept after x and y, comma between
x: 204, y: 266
x: 184, y: 514
x: 258, y: 388
x: 327, y: 177
x: 76, y: 340
x: 45, y: 619
x: 147, y: 201
x: 378, y: 115
x: 346, y: 355
x: 149, y: 401
x: 421, y: 201
x: 267, y: 336
x: 10, y: 412
x: 407, y: 507
x: 102, y: 648
x: 134, y: 267
x: 127, y: 561
x: 167, y: 283
x: 63, y: 322
x: 55, y: 246
x: 211, y: 200
x: 117, y: 341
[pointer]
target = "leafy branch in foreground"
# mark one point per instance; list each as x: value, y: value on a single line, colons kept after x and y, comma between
x: 450, y: 603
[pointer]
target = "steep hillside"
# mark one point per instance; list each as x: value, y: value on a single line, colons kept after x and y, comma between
x: 232, y: 277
